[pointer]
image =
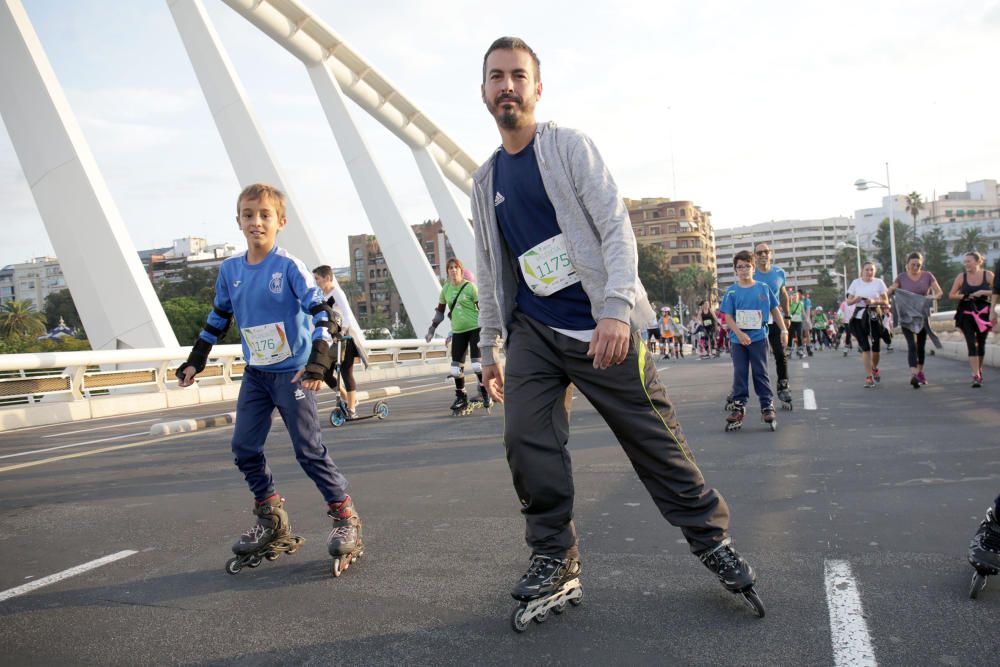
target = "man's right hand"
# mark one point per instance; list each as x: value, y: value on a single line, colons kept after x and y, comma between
x: 493, y: 381
x: 188, y: 378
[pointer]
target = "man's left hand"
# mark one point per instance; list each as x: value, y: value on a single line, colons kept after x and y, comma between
x: 609, y: 344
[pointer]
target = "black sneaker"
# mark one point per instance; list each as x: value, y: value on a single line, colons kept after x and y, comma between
x: 734, y: 572
x: 545, y: 575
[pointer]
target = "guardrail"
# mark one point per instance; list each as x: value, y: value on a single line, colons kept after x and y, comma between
x: 78, y: 376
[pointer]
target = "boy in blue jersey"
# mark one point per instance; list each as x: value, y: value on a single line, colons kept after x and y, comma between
x: 286, y: 330
x: 746, y: 305
x: 557, y: 265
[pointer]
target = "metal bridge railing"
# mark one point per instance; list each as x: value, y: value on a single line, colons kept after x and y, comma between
x: 74, y: 376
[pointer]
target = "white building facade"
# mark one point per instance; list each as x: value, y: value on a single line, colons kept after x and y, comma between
x: 802, y: 248
x: 32, y: 281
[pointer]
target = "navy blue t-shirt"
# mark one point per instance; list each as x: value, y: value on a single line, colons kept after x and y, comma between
x: 526, y: 218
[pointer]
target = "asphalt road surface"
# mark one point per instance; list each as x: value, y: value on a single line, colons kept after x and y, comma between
x: 888, y: 483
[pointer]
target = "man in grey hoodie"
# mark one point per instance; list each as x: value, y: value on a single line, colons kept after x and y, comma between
x: 559, y: 286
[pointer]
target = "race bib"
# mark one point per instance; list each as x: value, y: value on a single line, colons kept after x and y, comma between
x: 546, y: 267
x: 267, y: 344
x: 749, y: 319
x: 707, y: 323
x: 796, y: 317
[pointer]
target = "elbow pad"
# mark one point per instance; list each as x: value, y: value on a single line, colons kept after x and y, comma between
x: 320, y: 361
x: 334, y: 321
x: 215, y: 331
x: 197, y: 359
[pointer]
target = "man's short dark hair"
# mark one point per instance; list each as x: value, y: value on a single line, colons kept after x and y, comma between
x: 744, y: 255
x: 324, y: 271
x: 513, y: 43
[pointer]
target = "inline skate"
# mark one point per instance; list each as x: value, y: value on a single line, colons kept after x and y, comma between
x: 549, y: 585
x: 460, y: 403
x: 784, y: 395
x: 735, y: 574
x: 767, y: 415
x: 734, y: 422
x: 270, y: 537
x: 984, y: 552
x: 344, y: 542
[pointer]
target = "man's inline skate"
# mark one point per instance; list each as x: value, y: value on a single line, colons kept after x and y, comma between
x: 549, y: 585
x: 784, y: 395
x: 344, y: 542
x: 734, y: 422
x: 735, y: 574
x: 270, y: 537
x: 768, y: 416
x: 463, y: 406
x: 984, y: 552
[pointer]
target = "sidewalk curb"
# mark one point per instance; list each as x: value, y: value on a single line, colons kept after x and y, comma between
x: 185, y: 425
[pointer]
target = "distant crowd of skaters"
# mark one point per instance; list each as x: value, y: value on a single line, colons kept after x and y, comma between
x: 864, y: 315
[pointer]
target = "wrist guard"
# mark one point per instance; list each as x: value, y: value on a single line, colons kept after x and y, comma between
x: 197, y: 359
x: 320, y: 361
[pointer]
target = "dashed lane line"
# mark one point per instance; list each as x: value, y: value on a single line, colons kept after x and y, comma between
x: 64, y: 457
x: 808, y: 399
x: 65, y: 574
x: 852, y: 645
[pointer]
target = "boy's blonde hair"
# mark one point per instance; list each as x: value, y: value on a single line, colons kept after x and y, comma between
x: 259, y: 191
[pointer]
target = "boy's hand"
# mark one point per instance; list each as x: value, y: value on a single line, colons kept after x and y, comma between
x: 312, y: 384
x: 744, y: 339
x: 609, y: 346
x: 188, y: 378
x: 493, y: 381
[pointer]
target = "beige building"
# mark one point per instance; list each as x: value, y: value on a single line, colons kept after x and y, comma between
x: 376, y: 295
x: 681, y: 228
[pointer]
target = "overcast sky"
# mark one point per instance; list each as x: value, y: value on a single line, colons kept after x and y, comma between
x: 771, y: 109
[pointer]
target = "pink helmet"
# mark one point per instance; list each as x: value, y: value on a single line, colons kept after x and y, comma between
x: 469, y: 275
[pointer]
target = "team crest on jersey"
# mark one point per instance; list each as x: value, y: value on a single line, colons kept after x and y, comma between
x: 275, y: 284
x: 498, y: 199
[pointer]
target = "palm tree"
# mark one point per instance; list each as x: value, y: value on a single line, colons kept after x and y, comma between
x: 914, y: 204
x: 971, y: 239
x: 19, y: 318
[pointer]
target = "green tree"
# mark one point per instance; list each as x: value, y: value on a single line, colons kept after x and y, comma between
x: 192, y: 282
x: 694, y: 283
x: 971, y: 239
x: 60, y: 304
x: 905, y: 244
x: 914, y: 204
x: 938, y: 261
x: 846, y: 259
x: 187, y: 316
x: 826, y: 293
x: 654, y: 273
x: 19, y: 318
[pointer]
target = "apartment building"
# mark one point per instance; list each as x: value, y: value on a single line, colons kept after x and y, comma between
x: 681, y: 228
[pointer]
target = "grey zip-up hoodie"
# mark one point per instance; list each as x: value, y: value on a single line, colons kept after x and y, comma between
x: 594, y: 222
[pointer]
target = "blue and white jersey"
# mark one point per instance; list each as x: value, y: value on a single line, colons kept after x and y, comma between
x: 270, y: 302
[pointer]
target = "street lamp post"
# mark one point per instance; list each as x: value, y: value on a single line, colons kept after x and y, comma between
x: 842, y: 275
x: 862, y: 184
x: 857, y: 247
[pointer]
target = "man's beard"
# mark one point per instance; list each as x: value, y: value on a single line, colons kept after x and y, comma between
x: 507, y: 117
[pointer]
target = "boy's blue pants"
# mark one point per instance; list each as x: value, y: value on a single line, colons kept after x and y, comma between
x: 753, y: 358
x: 260, y: 394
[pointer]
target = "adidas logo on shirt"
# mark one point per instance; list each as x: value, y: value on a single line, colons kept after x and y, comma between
x: 499, y: 199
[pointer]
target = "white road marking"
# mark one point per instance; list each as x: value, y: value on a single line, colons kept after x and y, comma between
x: 98, y: 428
x: 65, y: 574
x: 808, y: 399
x: 851, y: 641
x: 74, y: 444
x: 805, y: 364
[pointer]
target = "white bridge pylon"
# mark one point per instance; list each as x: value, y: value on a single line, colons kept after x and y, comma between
x: 338, y: 72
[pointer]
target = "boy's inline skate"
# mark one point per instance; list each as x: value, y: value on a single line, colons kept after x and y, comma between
x: 784, y: 395
x: 984, y: 552
x: 767, y: 415
x: 549, y: 585
x: 270, y: 537
x: 735, y: 574
x: 734, y: 422
x: 344, y: 543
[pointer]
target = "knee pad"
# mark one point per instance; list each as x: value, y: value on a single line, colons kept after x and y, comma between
x: 456, y: 372
x: 477, y: 366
